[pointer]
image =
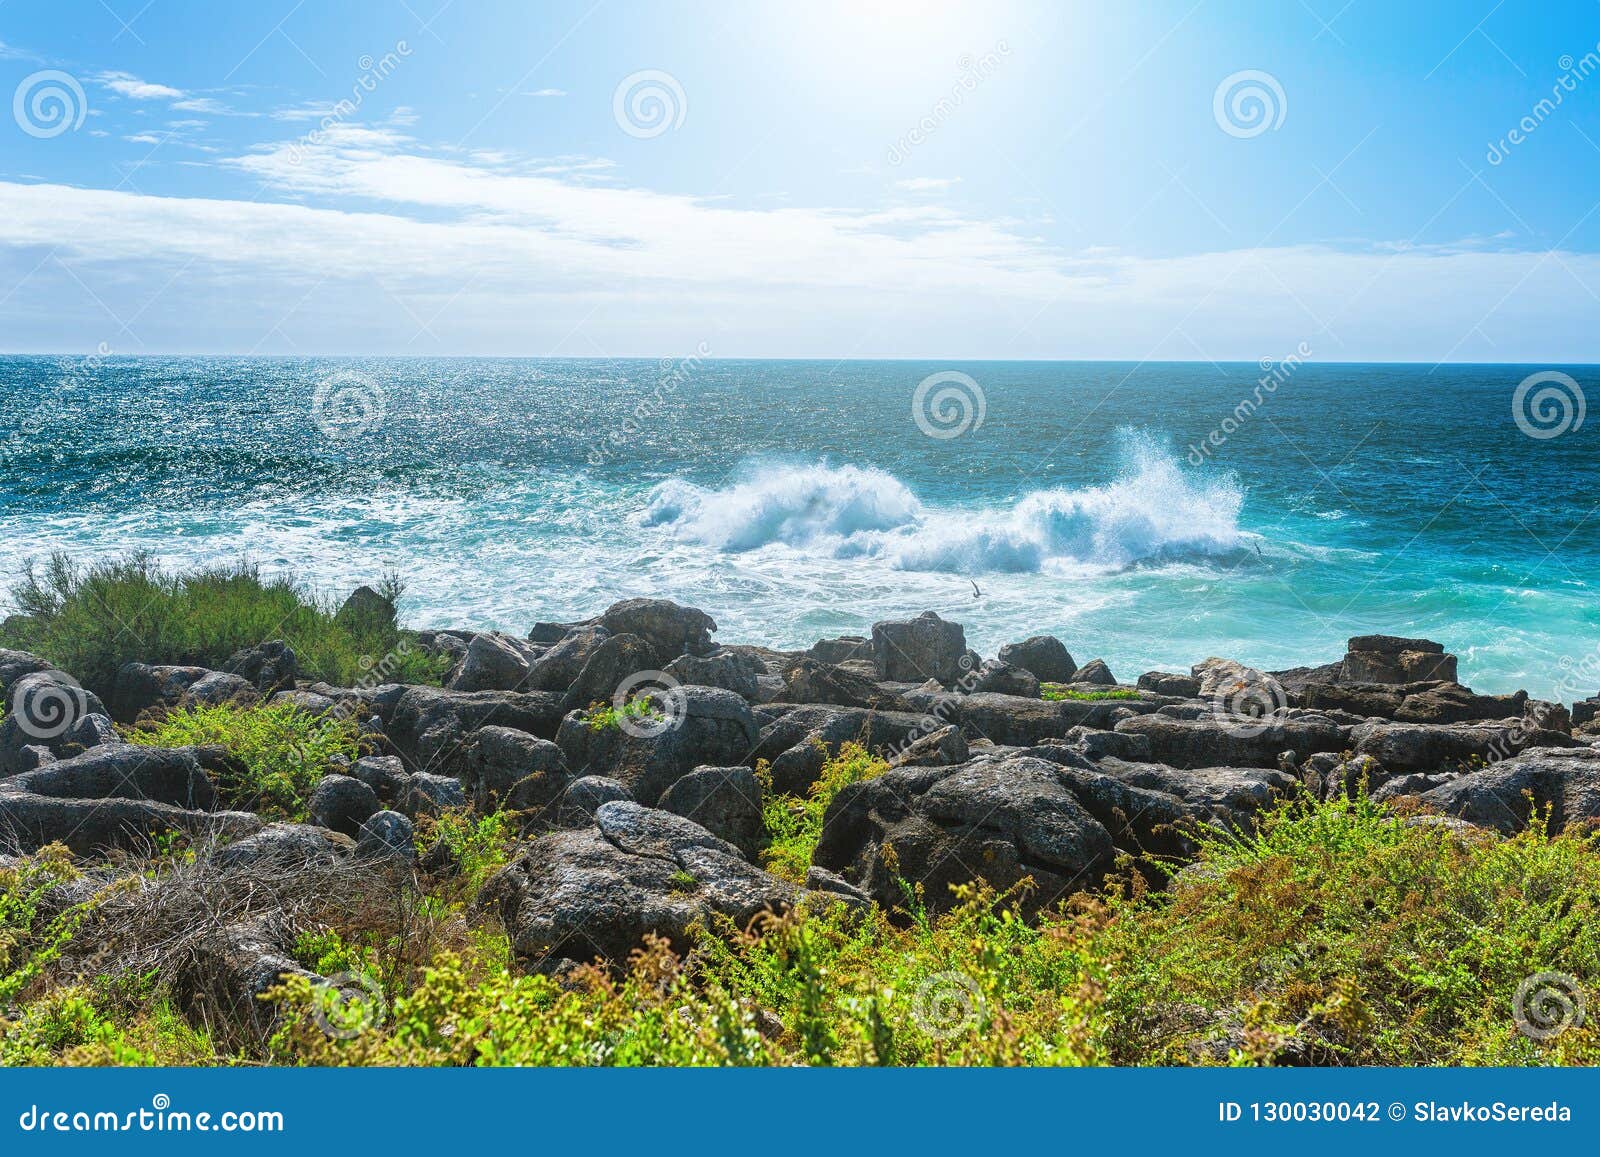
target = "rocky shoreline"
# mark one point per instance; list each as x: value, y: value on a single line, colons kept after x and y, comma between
x: 637, y: 754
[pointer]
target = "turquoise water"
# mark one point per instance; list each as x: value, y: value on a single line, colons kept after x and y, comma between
x: 796, y: 499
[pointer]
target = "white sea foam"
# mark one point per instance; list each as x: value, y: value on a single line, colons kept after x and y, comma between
x: 1153, y: 511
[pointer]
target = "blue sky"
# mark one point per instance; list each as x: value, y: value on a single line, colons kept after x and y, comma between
x: 829, y: 179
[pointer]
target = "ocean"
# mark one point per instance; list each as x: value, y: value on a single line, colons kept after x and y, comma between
x: 1150, y: 514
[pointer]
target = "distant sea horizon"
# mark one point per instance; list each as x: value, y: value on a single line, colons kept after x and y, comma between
x: 1148, y: 513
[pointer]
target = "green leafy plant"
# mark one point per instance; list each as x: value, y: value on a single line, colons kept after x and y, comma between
x: 794, y: 825
x: 281, y: 750
x: 1055, y: 692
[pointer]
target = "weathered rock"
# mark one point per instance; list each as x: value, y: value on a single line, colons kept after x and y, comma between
x: 342, y: 803
x: 726, y: 801
x: 1365, y: 699
x: 559, y: 667
x: 999, y: 820
x: 1095, y: 672
x: 595, y: 894
x: 1232, y: 683
x: 503, y: 764
x: 841, y: 649
x: 307, y: 701
x: 670, y: 630
x: 140, y: 687
x: 1390, y: 659
x: 384, y: 774
x: 216, y: 687
x: 1403, y: 747
x: 44, y: 707
x: 730, y: 670
x: 1014, y: 721
x: 808, y: 681
x: 582, y: 798
x: 387, y: 835
x: 1004, y: 679
x: 92, y: 826
x: 1045, y: 657
x: 223, y: 980
x: 798, y: 743
x: 610, y: 665
x: 1453, y: 703
x: 430, y: 795
x: 268, y: 667
x: 428, y: 726
x: 942, y: 748
x: 1096, y: 743
x: 1167, y: 683
x: 172, y: 776
x: 93, y: 730
x: 1212, y: 742
x: 286, y: 847
x: 697, y: 725
x: 926, y: 647
x: 1506, y: 796
x: 14, y: 665
x: 493, y: 662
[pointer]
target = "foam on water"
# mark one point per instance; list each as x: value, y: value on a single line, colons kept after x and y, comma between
x: 1152, y: 512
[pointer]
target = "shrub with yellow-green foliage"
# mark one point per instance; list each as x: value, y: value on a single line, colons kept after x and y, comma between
x: 794, y: 825
x: 1339, y: 934
x: 282, y: 750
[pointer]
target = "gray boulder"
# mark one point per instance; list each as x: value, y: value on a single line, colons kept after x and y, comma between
x: 1209, y: 741
x: 726, y: 801
x: 267, y: 667
x: 1506, y: 796
x: 944, y: 747
x: 387, y: 835
x: 611, y: 664
x: 1170, y: 683
x: 216, y: 687
x: 1045, y: 657
x: 167, y: 775
x: 509, y: 768
x: 140, y: 687
x: 669, y: 629
x: 493, y: 662
x: 582, y: 798
x: 730, y: 670
x: 429, y: 726
x: 426, y: 794
x: 342, y: 803
x: 559, y: 667
x: 1001, y: 678
x: 926, y: 647
x: 595, y: 894
x: 796, y: 744
x: 1095, y: 672
x: 808, y: 681
x: 1404, y: 747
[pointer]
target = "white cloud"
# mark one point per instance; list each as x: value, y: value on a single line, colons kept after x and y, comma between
x: 927, y: 184
x: 130, y: 86
x: 481, y: 253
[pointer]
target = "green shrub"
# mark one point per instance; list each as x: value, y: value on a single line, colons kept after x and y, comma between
x: 282, y: 750
x: 1055, y: 692
x: 606, y: 717
x: 794, y: 825
x: 92, y: 621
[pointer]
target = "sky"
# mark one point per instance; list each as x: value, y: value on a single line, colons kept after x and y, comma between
x: 1197, y: 181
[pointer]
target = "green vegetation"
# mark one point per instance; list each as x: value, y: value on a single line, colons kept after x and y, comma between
x: 1340, y: 934
x: 607, y: 717
x: 1055, y: 692
x: 280, y: 749
x: 93, y: 621
x: 794, y: 825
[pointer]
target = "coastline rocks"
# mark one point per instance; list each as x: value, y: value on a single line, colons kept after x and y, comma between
x: 94, y: 826
x: 217, y: 687
x: 706, y: 725
x: 726, y: 801
x: 914, y: 650
x: 1403, y: 747
x: 583, y: 797
x: 730, y: 670
x: 796, y: 744
x: 14, y: 665
x: 1045, y: 657
x: 429, y: 725
x: 267, y: 667
x: 166, y: 775
x: 1004, y: 679
x: 1169, y: 683
x: 493, y: 662
x: 44, y: 707
x: 595, y: 894
x: 342, y: 803
x: 427, y: 794
x: 608, y: 666
x: 1096, y: 673
x: 669, y: 629
x: 510, y: 768
x: 1391, y: 659
x: 1506, y: 796
x: 997, y: 819
x: 810, y: 682
x: 942, y: 748
x: 285, y: 847
x: 365, y: 607
x: 140, y: 687
x: 387, y: 835
x: 559, y: 667
x: 841, y: 650
x: 1211, y: 742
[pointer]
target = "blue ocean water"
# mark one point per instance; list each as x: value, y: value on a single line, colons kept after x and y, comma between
x: 1135, y: 510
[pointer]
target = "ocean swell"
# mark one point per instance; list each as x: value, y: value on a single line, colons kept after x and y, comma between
x: 1152, y: 512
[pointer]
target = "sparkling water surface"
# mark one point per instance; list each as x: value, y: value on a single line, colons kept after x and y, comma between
x: 798, y: 499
